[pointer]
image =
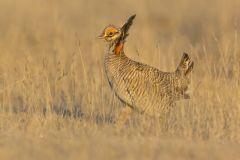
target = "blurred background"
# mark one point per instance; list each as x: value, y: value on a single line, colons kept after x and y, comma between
x: 40, y: 26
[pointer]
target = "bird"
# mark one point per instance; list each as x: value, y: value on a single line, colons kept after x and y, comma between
x: 141, y: 87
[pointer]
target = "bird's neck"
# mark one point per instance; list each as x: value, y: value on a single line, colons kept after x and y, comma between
x: 117, y: 48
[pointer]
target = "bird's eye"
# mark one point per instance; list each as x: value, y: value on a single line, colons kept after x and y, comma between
x: 110, y: 33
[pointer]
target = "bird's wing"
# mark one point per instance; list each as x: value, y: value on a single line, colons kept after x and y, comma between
x: 151, y: 80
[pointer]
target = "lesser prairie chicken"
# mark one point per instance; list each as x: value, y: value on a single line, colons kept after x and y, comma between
x: 141, y: 87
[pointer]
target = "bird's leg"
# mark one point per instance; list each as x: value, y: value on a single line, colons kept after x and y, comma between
x: 124, y: 115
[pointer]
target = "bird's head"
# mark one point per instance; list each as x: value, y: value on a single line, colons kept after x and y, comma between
x: 111, y: 34
x: 114, y: 34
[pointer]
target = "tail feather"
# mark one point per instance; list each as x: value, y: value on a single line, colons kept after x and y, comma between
x: 186, y: 65
x: 184, y: 69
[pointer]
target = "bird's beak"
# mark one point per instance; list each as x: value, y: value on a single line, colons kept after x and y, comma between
x: 101, y: 36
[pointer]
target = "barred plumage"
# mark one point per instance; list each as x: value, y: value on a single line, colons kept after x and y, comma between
x: 142, y: 87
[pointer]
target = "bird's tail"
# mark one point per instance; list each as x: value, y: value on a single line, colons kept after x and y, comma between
x: 186, y: 65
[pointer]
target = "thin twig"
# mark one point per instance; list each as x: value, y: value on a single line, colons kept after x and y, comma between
x: 85, y: 74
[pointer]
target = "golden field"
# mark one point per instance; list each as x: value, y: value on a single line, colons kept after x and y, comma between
x: 55, y: 101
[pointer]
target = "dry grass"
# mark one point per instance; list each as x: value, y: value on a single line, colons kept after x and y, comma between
x: 55, y: 102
